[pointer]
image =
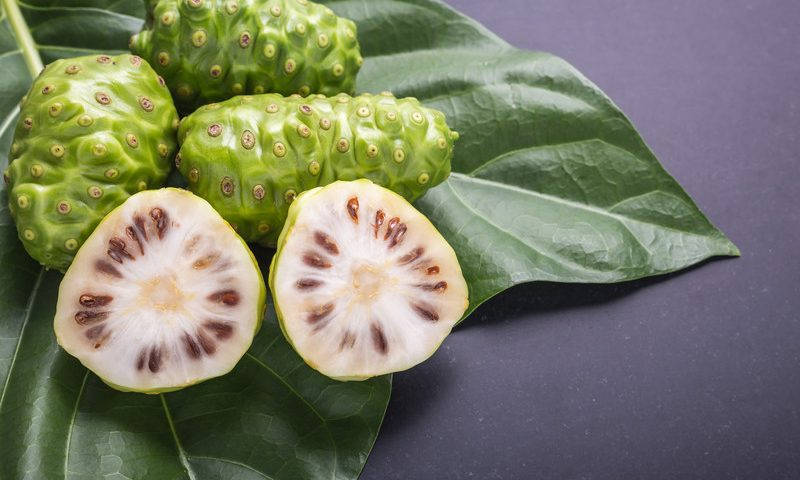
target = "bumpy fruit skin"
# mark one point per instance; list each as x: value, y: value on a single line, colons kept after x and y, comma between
x: 251, y: 155
x: 92, y: 131
x: 211, y: 50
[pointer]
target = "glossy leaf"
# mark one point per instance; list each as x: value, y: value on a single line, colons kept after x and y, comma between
x: 272, y: 417
x: 551, y: 182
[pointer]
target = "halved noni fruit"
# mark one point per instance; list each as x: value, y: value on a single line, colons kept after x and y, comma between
x: 363, y: 283
x: 163, y: 294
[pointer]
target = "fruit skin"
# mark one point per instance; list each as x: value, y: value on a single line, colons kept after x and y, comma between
x: 262, y: 299
x: 211, y: 50
x: 286, y: 232
x: 92, y: 130
x: 250, y: 155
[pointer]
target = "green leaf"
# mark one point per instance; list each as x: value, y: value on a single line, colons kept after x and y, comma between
x: 551, y: 182
x: 272, y: 417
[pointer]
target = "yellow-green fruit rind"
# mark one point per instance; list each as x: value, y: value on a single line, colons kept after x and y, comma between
x: 211, y: 50
x: 92, y: 131
x: 250, y: 156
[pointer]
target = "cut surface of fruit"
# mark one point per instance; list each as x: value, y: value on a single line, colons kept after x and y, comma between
x: 363, y: 283
x: 163, y: 294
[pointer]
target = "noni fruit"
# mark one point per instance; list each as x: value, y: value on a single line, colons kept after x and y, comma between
x: 211, y: 50
x: 251, y: 155
x: 92, y: 131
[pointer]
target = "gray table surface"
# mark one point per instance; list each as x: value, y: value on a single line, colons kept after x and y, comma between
x: 694, y: 375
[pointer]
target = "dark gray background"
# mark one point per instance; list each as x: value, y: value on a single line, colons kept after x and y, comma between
x: 694, y: 375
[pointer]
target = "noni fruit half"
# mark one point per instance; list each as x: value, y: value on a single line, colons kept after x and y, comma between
x: 211, y: 50
x: 251, y: 155
x: 163, y: 294
x: 92, y: 131
x: 363, y: 283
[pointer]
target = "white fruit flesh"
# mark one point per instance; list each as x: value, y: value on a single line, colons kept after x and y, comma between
x: 162, y: 295
x: 357, y: 298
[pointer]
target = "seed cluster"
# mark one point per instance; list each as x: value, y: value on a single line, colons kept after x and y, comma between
x: 270, y: 148
x: 299, y: 47
x: 323, y: 253
x: 142, y: 236
x: 89, y: 170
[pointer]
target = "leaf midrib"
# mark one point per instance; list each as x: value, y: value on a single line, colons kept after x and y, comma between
x: 582, y: 206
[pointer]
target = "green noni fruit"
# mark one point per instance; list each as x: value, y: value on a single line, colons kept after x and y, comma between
x: 251, y: 155
x: 211, y: 50
x: 92, y: 131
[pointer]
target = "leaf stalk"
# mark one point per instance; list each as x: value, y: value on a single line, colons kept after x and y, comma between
x: 24, y: 39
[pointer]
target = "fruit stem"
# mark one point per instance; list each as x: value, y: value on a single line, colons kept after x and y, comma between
x: 24, y: 39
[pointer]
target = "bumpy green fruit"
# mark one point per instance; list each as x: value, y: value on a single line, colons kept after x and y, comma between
x: 91, y: 132
x: 211, y: 50
x: 251, y: 155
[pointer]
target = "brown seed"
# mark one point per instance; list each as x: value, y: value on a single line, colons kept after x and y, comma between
x: 91, y: 301
x: 433, y: 287
x: 208, y: 344
x: 154, y: 363
x: 398, y: 235
x: 306, y: 109
x: 138, y: 222
x: 222, y: 331
x: 318, y: 313
x: 433, y: 270
x: 85, y: 317
x: 107, y: 268
x: 226, y: 297
x: 313, y: 259
x: 348, y: 340
x: 352, y: 208
x: 103, y: 59
x: 160, y: 218
x: 390, y: 227
x: 47, y: 89
x: 379, y: 217
x: 141, y: 359
x: 136, y: 60
x: 117, y: 250
x: 72, y: 69
x: 191, y: 346
x: 326, y: 242
x: 131, y: 233
x: 411, y: 256
x: 425, y: 311
x: 307, y: 284
x: 379, y: 339
x: 95, y: 332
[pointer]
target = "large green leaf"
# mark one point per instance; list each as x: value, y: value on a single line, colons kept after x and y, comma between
x: 551, y: 182
x: 272, y: 417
